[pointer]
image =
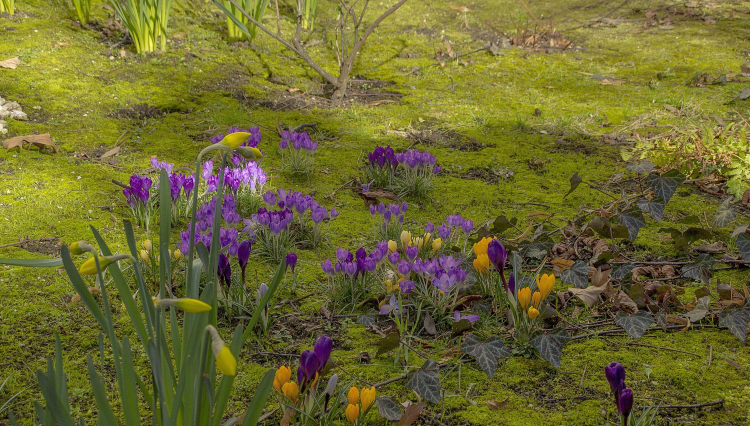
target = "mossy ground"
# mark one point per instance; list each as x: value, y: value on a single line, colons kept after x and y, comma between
x: 195, y: 85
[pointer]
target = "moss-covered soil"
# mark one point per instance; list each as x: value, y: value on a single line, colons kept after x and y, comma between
x: 88, y: 96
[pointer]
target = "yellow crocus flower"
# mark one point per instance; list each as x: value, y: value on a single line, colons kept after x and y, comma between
x: 353, y: 395
x: 536, y: 299
x: 233, y: 140
x: 405, y: 238
x: 148, y: 246
x: 480, y: 247
x: 352, y: 412
x: 144, y: 256
x: 290, y: 390
x: 545, y: 283
x: 225, y: 361
x: 418, y: 242
x: 392, y: 246
x: 367, y: 397
x: 533, y: 312
x: 482, y: 264
x: 282, y: 376
x: 437, y: 244
x: 524, y: 297
x: 177, y: 254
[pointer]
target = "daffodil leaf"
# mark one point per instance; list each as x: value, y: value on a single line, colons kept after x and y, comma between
x: 644, y: 166
x: 634, y: 221
x: 388, y: 343
x: 426, y: 382
x: 665, y: 186
x: 736, y: 321
x: 388, y: 408
x: 550, y: 346
x: 701, y: 269
x: 575, y: 180
x: 486, y: 353
x: 743, y: 243
x: 725, y: 214
x: 654, y: 208
x: 577, y: 275
x: 635, y: 325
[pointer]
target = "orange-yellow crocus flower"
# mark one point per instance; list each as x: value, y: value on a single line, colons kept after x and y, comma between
x: 533, y: 312
x: 367, y: 397
x: 282, y: 376
x: 524, y: 297
x: 480, y: 247
x: 536, y: 299
x: 353, y: 395
x: 290, y: 390
x: 545, y: 284
x: 352, y: 412
x: 482, y: 264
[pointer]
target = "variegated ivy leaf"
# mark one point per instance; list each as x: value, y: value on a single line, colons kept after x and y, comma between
x: 486, y: 353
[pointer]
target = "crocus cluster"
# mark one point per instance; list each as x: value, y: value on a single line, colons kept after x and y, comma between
x: 137, y: 196
x: 297, y: 151
x: 416, y: 159
x: 352, y: 275
x: 271, y: 230
x: 358, y: 402
x: 381, y: 167
x: 311, y: 365
x: 252, y: 141
x: 383, y: 158
x: 301, y: 203
x: 615, y: 374
x: 246, y: 177
x: 204, y: 217
x: 408, y: 173
x: 388, y: 220
x: 180, y: 187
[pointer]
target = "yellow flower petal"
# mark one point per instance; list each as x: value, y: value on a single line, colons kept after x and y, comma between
x: 226, y: 362
x: 353, y: 395
x: 352, y: 412
x: 533, y: 312
x: 367, y: 397
x: 290, y: 390
x: 233, y: 140
x: 524, y: 297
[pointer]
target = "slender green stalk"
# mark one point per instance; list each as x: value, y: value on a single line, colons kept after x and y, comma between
x: 7, y: 6
x: 83, y: 9
x: 307, y: 9
x: 254, y: 8
x: 146, y: 21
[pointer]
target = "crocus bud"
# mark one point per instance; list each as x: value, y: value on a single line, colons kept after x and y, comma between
x: 536, y: 299
x: 290, y: 390
x: 533, y: 312
x: 545, y: 284
x: 322, y: 349
x: 310, y: 364
x: 615, y: 374
x: 243, y: 253
x: 331, y: 386
x: 512, y: 284
x: 392, y: 246
x: 405, y: 238
x: 524, y: 297
x: 291, y: 261
x: 282, y: 376
x: 625, y: 403
x: 193, y: 306
x: 225, y: 361
x: 353, y: 395
x: 497, y: 254
x: 177, y: 254
x: 352, y: 412
x: 367, y: 397
x: 262, y: 290
x: 437, y: 244
x: 144, y: 256
x: 233, y: 140
x: 148, y: 246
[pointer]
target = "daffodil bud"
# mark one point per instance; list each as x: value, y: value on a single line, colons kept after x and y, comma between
x: 193, y: 306
x: 148, y: 246
x: 89, y: 266
x: 352, y: 412
x: 290, y: 390
x: 233, y: 140
x: 80, y: 247
x: 249, y: 153
x: 367, y: 397
x: 144, y: 256
x: 225, y: 361
x: 353, y: 395
x: 177, y: 254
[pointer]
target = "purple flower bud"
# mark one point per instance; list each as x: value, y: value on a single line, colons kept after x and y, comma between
x: 436, y: 170
x: 625, y: 403
x: 468, y: 226
x: 350, y: 268
x: 243, y: 253
x: 373, y: 209
x: 361, y: 253
x: 497, y: 254
x: 404, y: 267
x: 341, y: 254
x: 224, y: 270
x: 309, y: 363
x: 334, y: 213
x: 615, y: 374
x: 404, y: 206
x: 458, y: 317
x: 327, y: 267
x: 291, y: 261
x: 512, y: 284
x: 394, y: 258
x: 322, y: 349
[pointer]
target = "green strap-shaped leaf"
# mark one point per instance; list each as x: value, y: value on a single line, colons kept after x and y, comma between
x: 34, y: 263
x: 128, y: 394
x: 255, y: 409
x: 426, y: 382
x: 635, y: 325
x: 54, y: 405
x: 106, y: 416
x: 486, y: 353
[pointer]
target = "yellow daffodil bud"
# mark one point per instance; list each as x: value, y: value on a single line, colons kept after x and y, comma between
x: 524, y: 297
x: 367, y: 397
x: 353, y: 395
x: 148, y: 246
x: 144, y: 256
x: 177, y: 254
x: 250, y: 153
x: 536, y: 299
x: 481, y: 246
x: 225, y: 361
x: 80, y: 247
x: 283, y: 374
x: 482, y: 264
x: 352, y: 412
x: 405, y: 238
x: 193, y: 306
x: 392, y: 246
x: 233, y: 140
x: 170, y: 253
x: 533, y: 312
x: 89, y: 266
x: 437, y: 244
x: 290, y: 390
x: 545, y: 283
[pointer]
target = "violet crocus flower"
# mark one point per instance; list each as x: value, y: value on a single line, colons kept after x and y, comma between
x: 615, y: 374
x: 512, y: 284
x: 361, y: 253
x: 394, y: 258
x: 429, y: 228
x: 391, y: 306
x: 350, y: 268
x: 407, y: 286
x: 468, y: 226
x: 444, y: 282
x: 224, y: 270
x: 404, y: 267
x: 444, y: 231
x: 342, y: 255
x: 323, y: 347
x: 327, y: 267
x: 412, y: 252
x: 309, y: 363
x: 243, y: 254
x: 458, y: 317
x: 625, y: 404
x: 291, y: 261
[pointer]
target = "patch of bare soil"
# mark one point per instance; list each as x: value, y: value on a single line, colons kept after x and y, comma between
x: 491, y: 175
x: 141, y: 112
x: 545, y: 39
x: 49, y: 246
x: 446, y: 139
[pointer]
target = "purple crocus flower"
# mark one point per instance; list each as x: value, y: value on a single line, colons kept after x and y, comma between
x: 341, y: 255
x: 334, y: 213
x: 393, y: 258
x: 407, y: 286
x: 291, y: 261
x: 243, y: 254
x: 615, y: 374
x: 436, y: 169
x: 404, y: 267
x: 310, y: 364
x: 468, y: 226
x: 361, y: 253
x: 444, y: 231
x: 224, y: 270
x: 429, y: 228
x: 512, y: 284
x: 391, y: 306
x: 497, y: 254
x: 411, y: 252
x: 327, y: 267
x: 322, y: 349
x: 458, y: 317
x: 444, y: 282
x: 373, y: 209
x: 350, y: 268
x: 625, y: 404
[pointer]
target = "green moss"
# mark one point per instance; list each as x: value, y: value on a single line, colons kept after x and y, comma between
x: 196, y: 86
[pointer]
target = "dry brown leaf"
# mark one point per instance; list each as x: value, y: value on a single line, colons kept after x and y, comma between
x: 589, y: 295
x: 380, y: 102
x: 40, y: 141
x: 11, y: 63
x: 495, y: 405
x: 561, y: 265
x: 734, y: 364
x: 411, y: 414
x: 61, y: 44
x: 288, y: 416
x: 179, y: 36
x: 449, y: 50
x: 463, y: 9
x: 624, y: 302
x: 745, y: 69
x: 676, y: 319
x: 111, y: 152
x: 599, y: 277
x: 716, y: 247
x: 373, y: 196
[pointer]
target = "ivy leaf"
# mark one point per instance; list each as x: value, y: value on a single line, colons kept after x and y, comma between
x: 634, y: 221
x: 635, y: 325
x: 550, y: 346
x: 725, y: 214
x: 426, y: 382
x: 388, y: 408
x: 486, y: 353
x: 694, y: 234
x: 739, y: 230
x: 689, y: 220
x: 700, y: 311
x: 578, y: 275
x: 539, y: 248
x: 575, y: 180
x: 388, y: 343
x: 743, y: 243
x: 654, y: 208
x: 736, y: 321
x: 603, y: 228
x: 700, y: 270
x: 665, y: 186
x: 644, y: 166
x: 501, y: 224
x: 623, y: 271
